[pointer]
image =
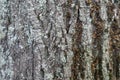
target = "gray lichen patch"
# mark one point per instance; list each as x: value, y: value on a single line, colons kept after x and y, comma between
x: 2, y: 34
x: 6, y: 69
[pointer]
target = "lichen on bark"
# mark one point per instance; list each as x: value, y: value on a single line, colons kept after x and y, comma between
x: 59, y: 39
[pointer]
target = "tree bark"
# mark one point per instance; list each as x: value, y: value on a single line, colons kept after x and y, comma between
x: 59, y: 40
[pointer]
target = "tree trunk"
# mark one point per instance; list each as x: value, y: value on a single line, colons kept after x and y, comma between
x: 59, y: 40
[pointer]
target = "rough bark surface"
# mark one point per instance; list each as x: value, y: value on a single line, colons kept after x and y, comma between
x: 59, y: 40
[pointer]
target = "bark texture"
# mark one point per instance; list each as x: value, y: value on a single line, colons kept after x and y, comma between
x: 59, y: 40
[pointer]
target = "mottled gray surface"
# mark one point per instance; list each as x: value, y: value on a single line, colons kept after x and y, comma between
x: 59, y: 39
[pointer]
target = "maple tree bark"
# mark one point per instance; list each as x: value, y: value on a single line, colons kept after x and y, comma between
x: 59, y: 39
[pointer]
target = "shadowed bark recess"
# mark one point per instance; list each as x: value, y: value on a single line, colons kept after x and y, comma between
x: 77, y: 48
x: 97, y: 41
